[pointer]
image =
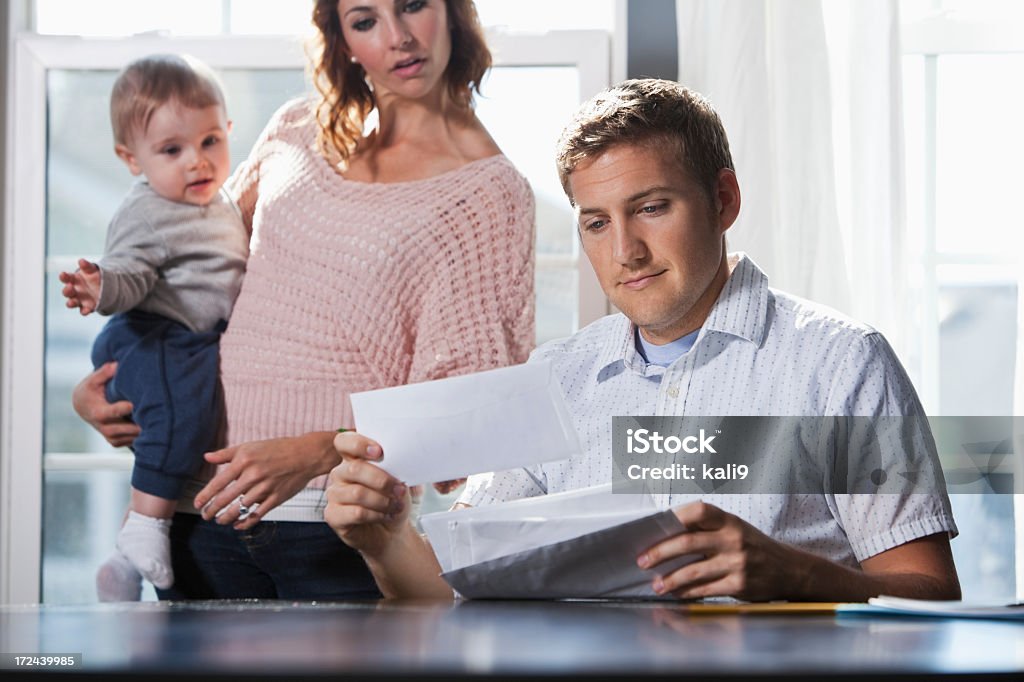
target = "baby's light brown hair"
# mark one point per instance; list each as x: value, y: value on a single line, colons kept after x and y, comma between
x: 150, y: 82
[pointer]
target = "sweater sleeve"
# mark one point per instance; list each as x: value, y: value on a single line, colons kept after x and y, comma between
x: 131, y: 261
x: 478, y: 312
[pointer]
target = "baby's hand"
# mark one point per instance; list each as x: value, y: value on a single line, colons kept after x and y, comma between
x: 82, y: 287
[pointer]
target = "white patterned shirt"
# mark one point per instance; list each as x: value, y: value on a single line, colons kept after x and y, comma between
x: 760, y: 352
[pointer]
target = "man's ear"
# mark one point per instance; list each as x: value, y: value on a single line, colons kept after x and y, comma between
x: 126, y: 155
x: 727, y: 198
x: 230, y: 124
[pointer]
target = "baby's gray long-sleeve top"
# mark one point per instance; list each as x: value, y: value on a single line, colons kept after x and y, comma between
x: 178, y: 260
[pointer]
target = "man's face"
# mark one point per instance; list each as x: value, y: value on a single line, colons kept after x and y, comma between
x: 653, y: 236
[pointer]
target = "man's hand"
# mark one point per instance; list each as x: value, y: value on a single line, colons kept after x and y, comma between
x: 739, y: 560
x: 112, y: 420
x: 366, y: 506
x: 264, y: 473
x: 82, y: 287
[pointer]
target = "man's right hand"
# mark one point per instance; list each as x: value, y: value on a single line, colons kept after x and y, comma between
x: 112, y: 420
x: 367, y: 507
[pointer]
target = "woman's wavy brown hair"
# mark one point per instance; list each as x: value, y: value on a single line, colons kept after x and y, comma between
x: 346, y: 99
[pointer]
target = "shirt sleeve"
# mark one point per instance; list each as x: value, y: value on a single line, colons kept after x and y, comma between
x: 131, y: 261
x: 478, y: 312
x: 902, y: 497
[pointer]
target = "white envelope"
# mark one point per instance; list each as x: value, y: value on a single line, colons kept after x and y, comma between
x: 598, y: 565
x: 467, y: 536
x: 451, y: 428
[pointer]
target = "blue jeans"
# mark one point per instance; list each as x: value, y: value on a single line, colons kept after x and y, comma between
x: 273, y: 560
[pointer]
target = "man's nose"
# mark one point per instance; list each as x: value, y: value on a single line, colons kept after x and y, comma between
x: 628, y: 246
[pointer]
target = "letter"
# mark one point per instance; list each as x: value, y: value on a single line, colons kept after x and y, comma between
x: 742, y: 470
x: 643, y: 446
x: 630, y: 473
x: 670, y: 447
x: 705, y: 444
x: 688, y: 444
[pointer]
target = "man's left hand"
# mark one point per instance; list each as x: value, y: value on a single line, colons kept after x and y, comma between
x: 738, y: 560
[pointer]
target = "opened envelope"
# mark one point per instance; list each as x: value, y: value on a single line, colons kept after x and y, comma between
x: 572, y: 545
x: 451, y: 428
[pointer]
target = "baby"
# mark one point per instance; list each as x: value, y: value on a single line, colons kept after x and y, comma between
x: 172, y: 265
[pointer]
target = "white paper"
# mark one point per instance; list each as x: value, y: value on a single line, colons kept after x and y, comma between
x: 451, y: 428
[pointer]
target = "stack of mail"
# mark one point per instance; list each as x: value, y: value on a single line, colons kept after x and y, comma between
x: 581, y: 544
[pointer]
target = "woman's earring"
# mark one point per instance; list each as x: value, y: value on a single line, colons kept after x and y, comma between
x: 353, y: 60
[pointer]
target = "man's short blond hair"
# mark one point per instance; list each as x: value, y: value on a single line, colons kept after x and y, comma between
x: 148, y: 83
x: 648, y: 111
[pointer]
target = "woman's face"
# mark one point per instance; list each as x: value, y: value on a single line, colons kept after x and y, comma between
x: 403, y: 45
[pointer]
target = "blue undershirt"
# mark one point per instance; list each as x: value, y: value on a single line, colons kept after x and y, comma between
x: 665, y: 355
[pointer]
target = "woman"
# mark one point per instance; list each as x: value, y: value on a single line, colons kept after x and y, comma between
x: 378, y: 258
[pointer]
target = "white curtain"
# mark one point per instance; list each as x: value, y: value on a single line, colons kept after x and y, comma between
x: 809, y: 91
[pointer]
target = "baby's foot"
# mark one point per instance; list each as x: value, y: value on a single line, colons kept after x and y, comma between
x: 146, y: 543
x: 117, y: 580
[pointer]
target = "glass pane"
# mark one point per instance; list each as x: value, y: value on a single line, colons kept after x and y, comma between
x: 127, y: 17
x: 542, y: 15
x: 1006, y: 12
x: 977, y: 340
x: 81, y: 515
x: 979, y: 147
x: 205, y: 17
x: 977, y: 358
x: 271, y: 17
x: 556, y: 303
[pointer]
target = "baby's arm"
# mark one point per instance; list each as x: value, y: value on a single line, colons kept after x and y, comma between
x: 82, y: 287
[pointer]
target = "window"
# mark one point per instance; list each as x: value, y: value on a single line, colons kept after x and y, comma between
x: 60, y: 466
x: 964, y: 144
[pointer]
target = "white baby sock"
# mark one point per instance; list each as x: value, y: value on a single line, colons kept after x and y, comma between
x: 117, y: 580
x: 145, y: 541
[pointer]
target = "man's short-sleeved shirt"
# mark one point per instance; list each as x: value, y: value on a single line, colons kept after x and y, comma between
x: 760, y: 352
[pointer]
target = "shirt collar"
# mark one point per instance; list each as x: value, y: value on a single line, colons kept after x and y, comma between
x: 741, y: 310
x: 742, y: 307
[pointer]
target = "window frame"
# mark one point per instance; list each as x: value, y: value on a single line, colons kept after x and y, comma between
x: 931, y: 37
x: 22, y: 459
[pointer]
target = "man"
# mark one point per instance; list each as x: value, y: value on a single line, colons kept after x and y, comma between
x: 647, y: 168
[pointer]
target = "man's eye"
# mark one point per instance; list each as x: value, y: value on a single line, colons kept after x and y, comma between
x: 595, y: 225
x: 652, y: 208
x: 364, y: 24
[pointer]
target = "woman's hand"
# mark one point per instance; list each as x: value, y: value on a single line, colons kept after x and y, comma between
x: 366, y: 506
x: 261, y: 475
x: 112, y: 420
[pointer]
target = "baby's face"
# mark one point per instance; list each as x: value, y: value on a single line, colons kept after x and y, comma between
x: 183, y: 152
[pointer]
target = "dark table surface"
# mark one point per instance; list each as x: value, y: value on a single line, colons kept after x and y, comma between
x: 525, y: 638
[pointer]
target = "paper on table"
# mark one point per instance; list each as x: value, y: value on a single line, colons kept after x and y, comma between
x: 451, y: 428
x: 592, y: 566
x: 897, y: 606
x: 466, y: 536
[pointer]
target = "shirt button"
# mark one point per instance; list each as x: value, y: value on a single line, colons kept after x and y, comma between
x: 673, y: 392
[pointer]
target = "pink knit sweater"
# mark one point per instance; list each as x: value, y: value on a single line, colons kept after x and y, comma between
x: 353, y: 286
